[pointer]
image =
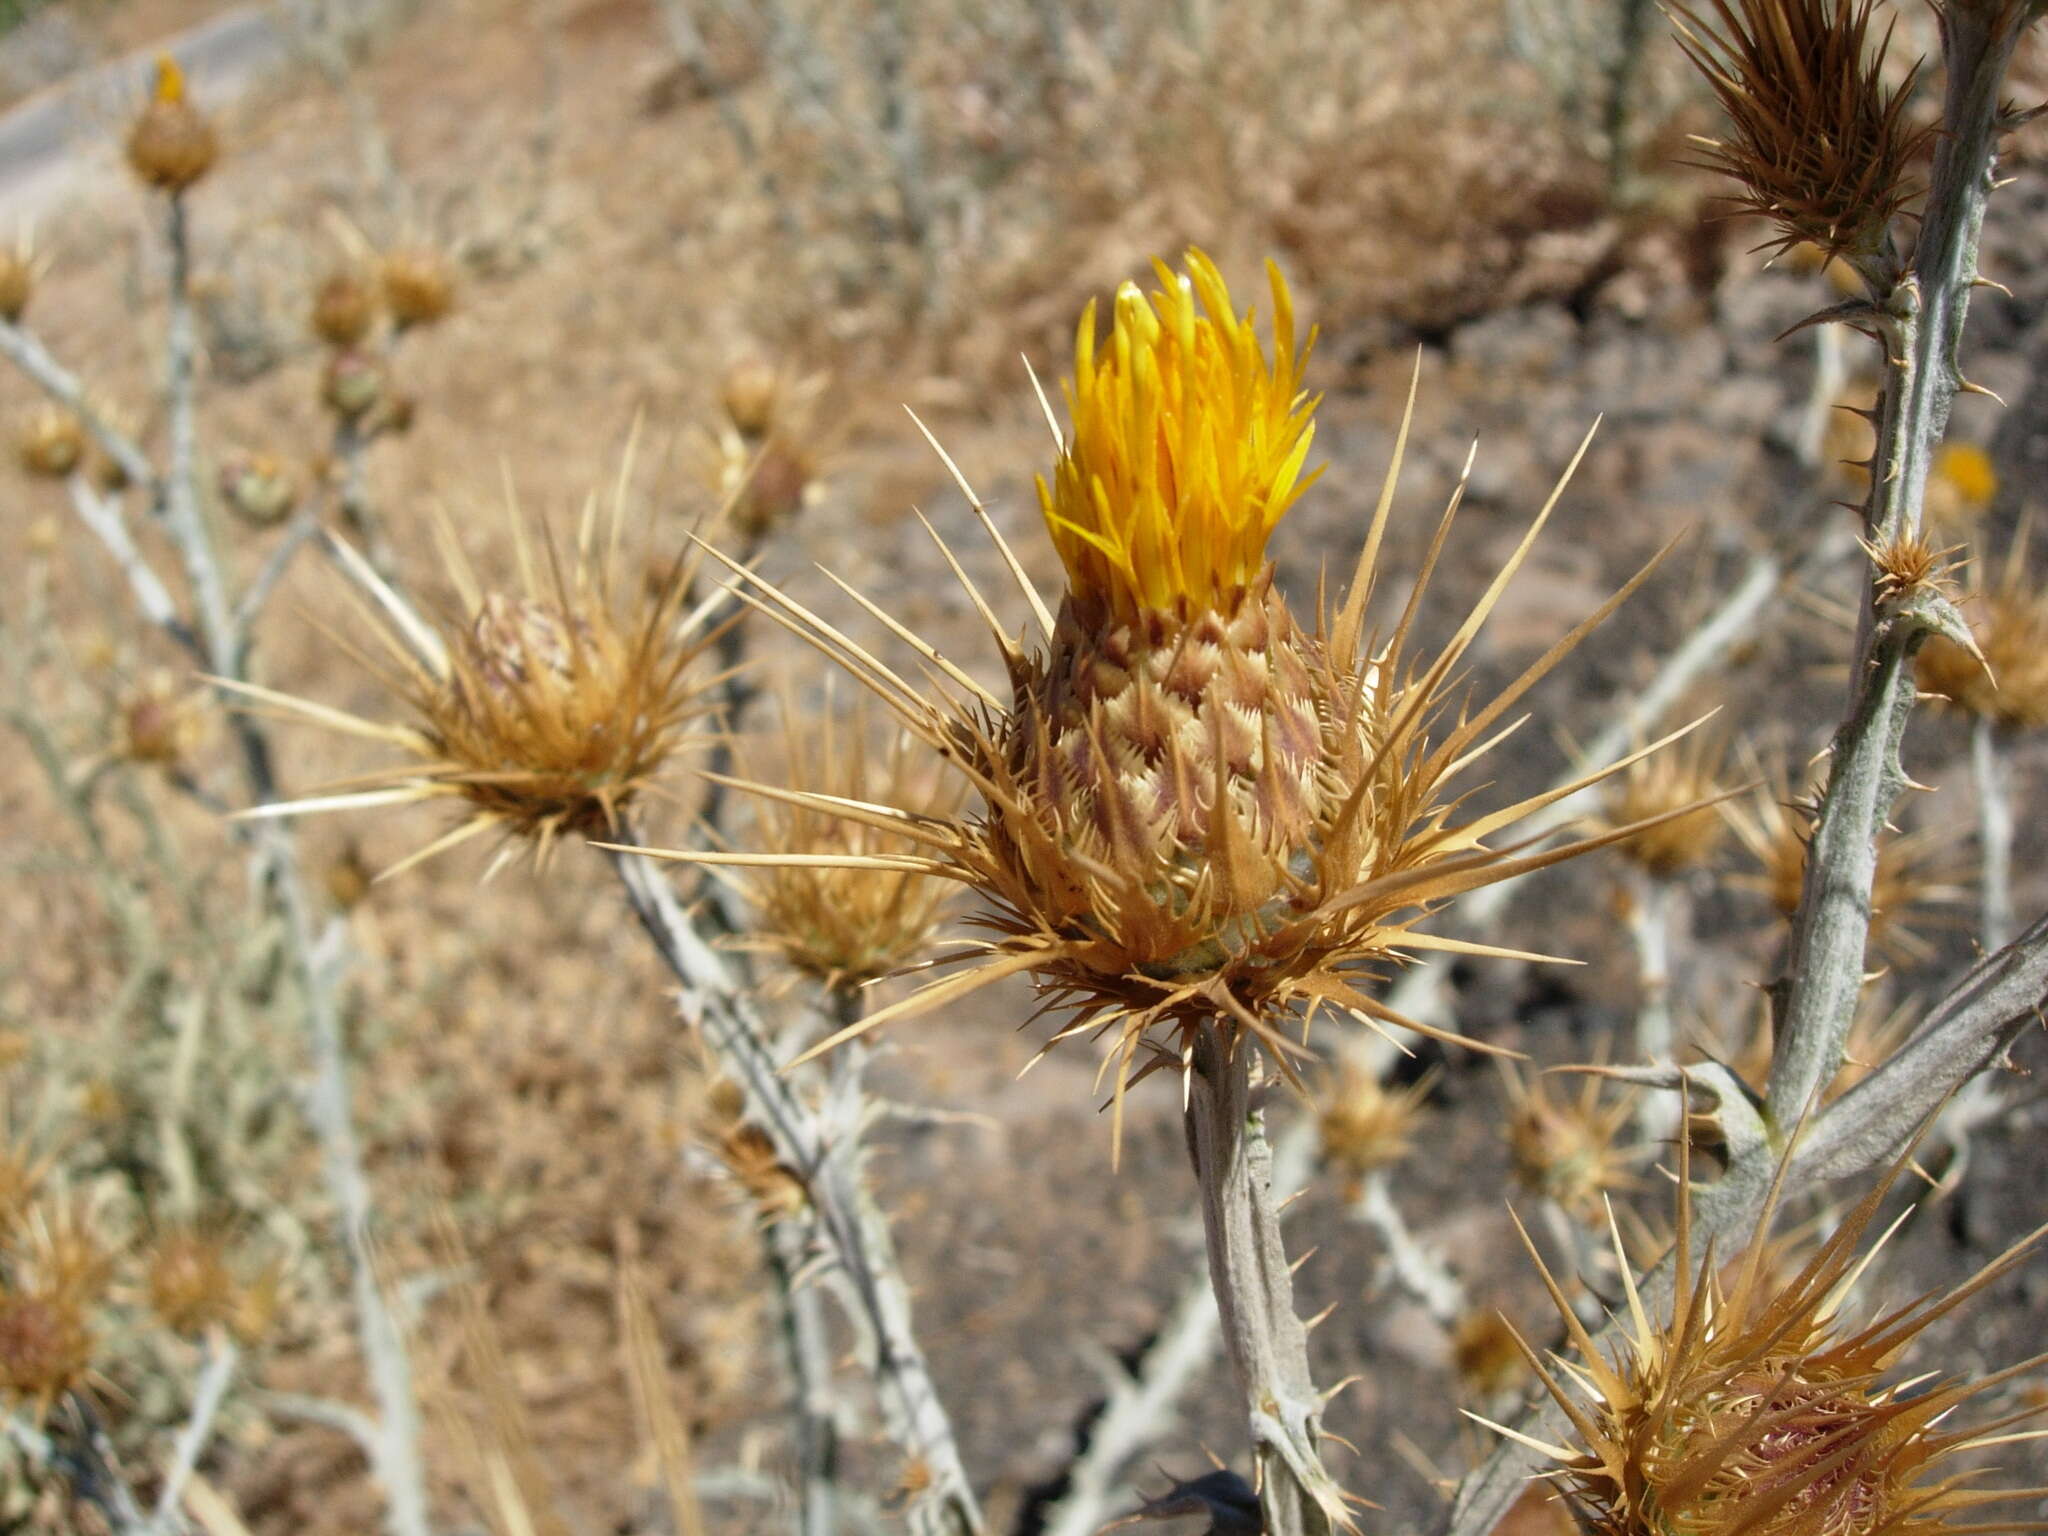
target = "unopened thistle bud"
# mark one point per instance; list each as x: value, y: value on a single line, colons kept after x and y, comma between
x: 419, y: 286
x: 1574, y: 1149
x: 172, y: 144
x: 1817, y: 143
x: 52, y: 442
x: 344, y: 309
x: 750, y: 391
x: 1365, y: 1125
x: 159, y: 722
x: 1195, y: 810
x: 353, y: 383
x: 46, y: 1346
x: 258, y: 488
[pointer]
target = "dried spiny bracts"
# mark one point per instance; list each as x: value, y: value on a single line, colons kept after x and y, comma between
x: 844, y: 926
x: 1574, y: 1148
x: 195, y: 1280
x: 158, y: 721
x: 1366, y: 1125
x: 2007, y: 681
x: 1757, y: 1407
x: 1818, y: 143
x: 543, y: 712
x: 1673, y: 792
x: 1195, y: 808
x: 172, y: 143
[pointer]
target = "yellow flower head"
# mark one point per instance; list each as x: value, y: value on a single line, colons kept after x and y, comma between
x: 1187, y: 446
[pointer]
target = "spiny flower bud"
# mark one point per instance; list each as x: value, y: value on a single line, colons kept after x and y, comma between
x: 159, y: 722
x: 1570, y: 1149
x: 46, y: 1346
x: 545, y: 712
x: 172, y: 144
x: 1670, y: 791
x: 750, y: 391
x: 1365, y: 1125
x: 1818, y: 144
x: 52, y: 442
x: 844, y: 926
x: 419, y: 285
x: 194, y: 1283
x: 353, y: 383
x: 1196, y: 812
x: 344, y: 309
x: 258, y: 488
x: 1757, y: 1408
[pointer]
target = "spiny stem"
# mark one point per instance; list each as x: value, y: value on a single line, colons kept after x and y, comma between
x: 847, y: 1219
x: 1922, y: 324
x: 1255, y: 1291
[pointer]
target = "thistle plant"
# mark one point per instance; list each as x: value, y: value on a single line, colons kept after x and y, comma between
x: 1783, y: 1423
x: 1198, y: 817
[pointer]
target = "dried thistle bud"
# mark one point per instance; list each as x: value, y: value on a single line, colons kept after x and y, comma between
x: 190, y: 1283
x: 1910, y: 563
x: 546, y: 712
x: 1817, y: 143
x: 771, y: 488
x: 46, y: 1347
x: 160, y: 722
x: 844, y: 925
x: 419, y: 285
x: 750, y: 392
x: 17, y: 281
x: 1670, y: 791
x: 353, y: 383
x: 1365, y: 1125
x: 2006, y: 682
x: 258, y: 488
x: 344, y: 308
x: 172, y: 144
x: 196, y: 1281
x: 1757, y: 1407
x: 1571, y: 1150
x: 52, y: 442
x: 1488, y: 1358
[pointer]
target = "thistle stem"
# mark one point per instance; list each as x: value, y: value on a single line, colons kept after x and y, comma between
x: 849, y: 1223
x: 1921, y: 327
x: 1248, y: 1269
